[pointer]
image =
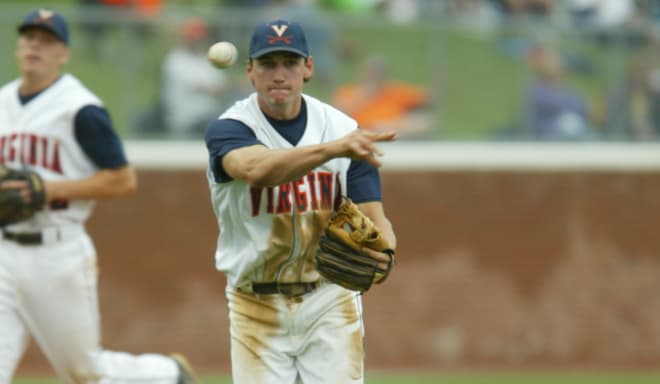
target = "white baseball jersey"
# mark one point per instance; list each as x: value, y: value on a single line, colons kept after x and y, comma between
x: 39, y: 136
x: 271, y: 234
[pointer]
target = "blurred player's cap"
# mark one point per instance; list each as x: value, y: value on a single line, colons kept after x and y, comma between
x: 194, y: 29
x: 49, y: 20
x: 278, y: 35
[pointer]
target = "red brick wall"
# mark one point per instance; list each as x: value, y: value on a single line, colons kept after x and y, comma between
x: 498, y: 268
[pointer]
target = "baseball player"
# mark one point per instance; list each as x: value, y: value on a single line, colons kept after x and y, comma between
x: 280, y: 162
x: 51, y: 123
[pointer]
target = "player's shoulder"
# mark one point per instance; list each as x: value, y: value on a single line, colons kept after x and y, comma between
x: 246, y: 111
x: 222, y: 125
x: 10, y: 87
x: 228, y: 130
x: 70, y: 89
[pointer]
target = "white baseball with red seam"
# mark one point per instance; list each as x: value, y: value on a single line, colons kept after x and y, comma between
x: 223, y: 54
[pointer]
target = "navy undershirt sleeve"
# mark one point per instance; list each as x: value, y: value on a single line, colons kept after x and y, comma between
x: 223, y: 136
x: 363, y: 182
x: 97, y: 138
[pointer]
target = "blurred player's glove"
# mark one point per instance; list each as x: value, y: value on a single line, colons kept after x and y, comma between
x: 12, y: 206
x: 340, y: 258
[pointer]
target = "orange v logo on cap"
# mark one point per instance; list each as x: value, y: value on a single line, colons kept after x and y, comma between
x: 46, y: 13
x: 279, y: 29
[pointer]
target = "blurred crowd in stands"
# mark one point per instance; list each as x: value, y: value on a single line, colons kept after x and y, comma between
x: 529, y: 31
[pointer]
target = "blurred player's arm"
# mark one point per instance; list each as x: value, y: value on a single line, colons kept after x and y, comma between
x: 99, y: 141
x: 106, y: 183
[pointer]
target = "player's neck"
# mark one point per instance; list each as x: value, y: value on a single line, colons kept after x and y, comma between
x: 31, y: 84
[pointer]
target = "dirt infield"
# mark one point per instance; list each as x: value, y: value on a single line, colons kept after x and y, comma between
x: 500, y: 269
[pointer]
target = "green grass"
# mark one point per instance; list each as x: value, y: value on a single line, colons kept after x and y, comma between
x: 522, y: 378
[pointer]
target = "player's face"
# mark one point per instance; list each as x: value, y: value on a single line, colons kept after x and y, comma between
x: 40, y: 53
x: 278, y: 78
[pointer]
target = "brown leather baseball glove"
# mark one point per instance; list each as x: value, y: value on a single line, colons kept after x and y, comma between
x: 13, y: 208
x: 340, y: 258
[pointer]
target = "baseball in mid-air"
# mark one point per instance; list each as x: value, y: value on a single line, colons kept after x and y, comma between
x: 223, y: 54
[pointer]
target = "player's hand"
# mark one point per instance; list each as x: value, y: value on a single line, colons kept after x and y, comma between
x: 382, y: 257
x: 22, y: 185
x: 360, y: 145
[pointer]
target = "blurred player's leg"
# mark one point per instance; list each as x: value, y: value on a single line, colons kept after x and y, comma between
x: 64, y: 320
x: 14, y: 335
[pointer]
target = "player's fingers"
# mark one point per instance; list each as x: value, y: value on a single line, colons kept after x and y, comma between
x: 386, y: 136
x: 375, y: 151
x: 14, y: 184
x: 369, y: 157
x: 374, y: 161
x: 378, y: 135
x: 26, y: 195
x: 381, y: 257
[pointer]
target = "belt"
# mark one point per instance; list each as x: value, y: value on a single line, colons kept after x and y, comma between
x: 24, y: 238
x: 286, y: 289
x: 44, y: 236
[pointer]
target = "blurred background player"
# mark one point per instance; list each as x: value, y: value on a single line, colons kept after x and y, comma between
x: 553, y: 109
x: 51, y: 123
x: 280, y: 161
x: 191, y: 86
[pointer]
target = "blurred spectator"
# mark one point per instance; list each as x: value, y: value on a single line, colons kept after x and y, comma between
x: 611, y: 21
x: 379, y: 103
x: 633, y: 106
x: 554, y: 111
x: 602, y: 13
x: 191, y: 87
x: 401, y: 11
x: 477, y: 15
x: 521, y: 23
x: 524, y: 8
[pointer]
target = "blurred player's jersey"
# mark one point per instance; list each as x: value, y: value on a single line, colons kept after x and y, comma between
x: 39, y: 135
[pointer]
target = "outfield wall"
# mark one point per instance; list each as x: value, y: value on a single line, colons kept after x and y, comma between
x: 509, y: 255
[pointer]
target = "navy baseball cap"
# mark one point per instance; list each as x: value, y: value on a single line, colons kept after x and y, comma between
x: 278, y: 35
x: 49, y: 20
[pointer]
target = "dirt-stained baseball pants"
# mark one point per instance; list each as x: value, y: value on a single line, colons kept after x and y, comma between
x: 315, y: 338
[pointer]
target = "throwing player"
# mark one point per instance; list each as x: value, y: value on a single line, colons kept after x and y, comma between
x: 51, y: 123
x: 280, y: 162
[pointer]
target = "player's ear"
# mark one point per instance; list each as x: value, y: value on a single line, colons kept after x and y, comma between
x: 309, y: 68
x: 248, y: 69
x: 64, y: 56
